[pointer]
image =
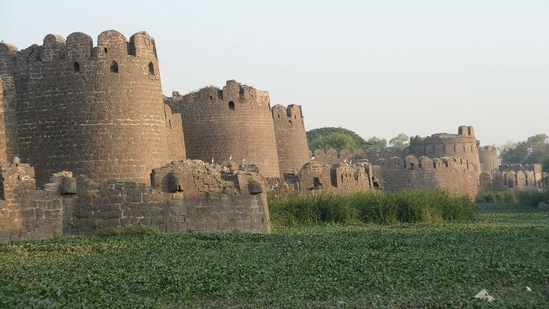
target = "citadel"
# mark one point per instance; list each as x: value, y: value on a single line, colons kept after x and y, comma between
x: 88, y: 141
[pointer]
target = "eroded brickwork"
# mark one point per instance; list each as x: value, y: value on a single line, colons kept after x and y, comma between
x: 97, y: 111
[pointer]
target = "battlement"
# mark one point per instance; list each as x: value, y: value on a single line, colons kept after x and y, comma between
x: 79, y: 46
x: 291, y: 112
x: 412, y: 162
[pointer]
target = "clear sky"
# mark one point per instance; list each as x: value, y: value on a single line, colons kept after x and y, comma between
x: 378, y: 68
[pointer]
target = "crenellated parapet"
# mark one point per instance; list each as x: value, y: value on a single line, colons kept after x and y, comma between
x: 456, y: 175
x: 463, y: 145
x: 97, y: 110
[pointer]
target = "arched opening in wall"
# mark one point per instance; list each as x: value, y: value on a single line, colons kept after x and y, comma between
x: 289, y: 123
x: 151, y: 68
x: 105, y: 50
x: 231, y: 105
x: 114, y: 67
x: 211, y: 97
x: 76, y: 67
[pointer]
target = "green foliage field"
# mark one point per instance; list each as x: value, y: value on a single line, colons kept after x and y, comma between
x: 503, y: 249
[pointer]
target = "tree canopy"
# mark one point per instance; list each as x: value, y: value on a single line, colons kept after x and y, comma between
x: 340, y: 138
x: 400, y: 141
x: 534, y: 150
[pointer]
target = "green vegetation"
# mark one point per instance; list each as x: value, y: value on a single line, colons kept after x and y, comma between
x: 400, y: 141
x: 523, y: 198
x: 431, y: 206
x: 503, y: 249
x: 534, y: 150
x: 340, y: 138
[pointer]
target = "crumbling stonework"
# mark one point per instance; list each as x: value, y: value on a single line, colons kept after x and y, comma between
x: 97, y: 110
x: 340, y: 178
x: 211, y: 199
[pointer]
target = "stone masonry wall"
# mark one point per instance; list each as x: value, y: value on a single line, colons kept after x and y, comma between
x: 291, y: 139
x: 27, y: 213
x: 97, y: 111
x: 211, y: 199
x: 234, y: 123
x: 8, y: 123
x: 456, y: 175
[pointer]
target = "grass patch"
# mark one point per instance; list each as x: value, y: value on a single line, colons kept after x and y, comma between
x: 523, y: 198
x: 431, y: 206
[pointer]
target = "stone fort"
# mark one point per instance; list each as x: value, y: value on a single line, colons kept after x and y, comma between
x: 88, y: 141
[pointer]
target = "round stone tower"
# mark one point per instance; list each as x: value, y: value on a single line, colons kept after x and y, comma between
x: 97, y: 111
x: 291, y: 138
x: 463, y: 145
x: 230, y: 124
x: 488, y: 159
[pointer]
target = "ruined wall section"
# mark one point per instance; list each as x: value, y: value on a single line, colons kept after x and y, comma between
x: 27, y: 213
x: 291, y: 138
x: 488, y: 157
x: 191, y: 196
x: 93, y: 110
x: 216, y: 199
x: 337, y: 178
x: 233, y: 123
x: 463, y: 145
x: 456, y: 175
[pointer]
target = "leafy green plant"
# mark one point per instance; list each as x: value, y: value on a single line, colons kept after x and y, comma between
x: 401, y: 265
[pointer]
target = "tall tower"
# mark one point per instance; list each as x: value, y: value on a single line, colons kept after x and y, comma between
x: 291, y: 138
x: 231, y: 123
x: 488, y: 159
x: 96, y: 111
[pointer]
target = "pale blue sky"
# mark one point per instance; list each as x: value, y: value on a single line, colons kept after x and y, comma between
x: 378, y: 68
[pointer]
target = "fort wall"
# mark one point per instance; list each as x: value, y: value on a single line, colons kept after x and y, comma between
x: 234, y: 123
x: 463, y: 145
x: 206, y: 198
x: 456, y: 175
x: 92, y: 110
x: 291, y: 139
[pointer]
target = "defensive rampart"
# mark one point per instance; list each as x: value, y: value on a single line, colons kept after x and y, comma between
x: 291, y: 139
x: 234, y: 123
x: 456, y: 175
x: 92, y: 110
x: 462, y: 145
